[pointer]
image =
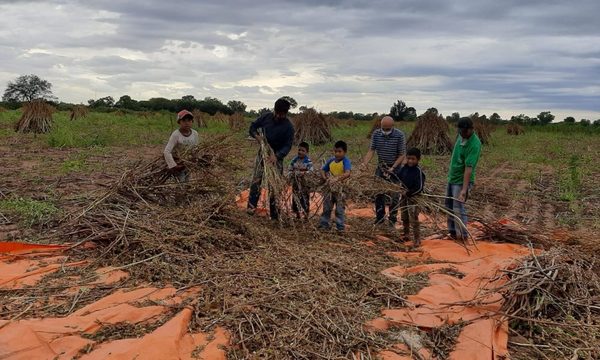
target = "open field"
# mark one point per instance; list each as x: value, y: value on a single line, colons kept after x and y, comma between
x: 281, y: 292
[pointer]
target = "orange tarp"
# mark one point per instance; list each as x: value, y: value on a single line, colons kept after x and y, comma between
x: 486, y: 334
x: 64, y: 337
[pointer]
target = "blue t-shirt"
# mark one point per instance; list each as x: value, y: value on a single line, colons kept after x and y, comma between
x: 337, y: 168
x: 305, y: 164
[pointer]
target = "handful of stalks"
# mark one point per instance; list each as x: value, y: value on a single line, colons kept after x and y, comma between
x: 552, y: 300
x: 36, y: 118
x: 273, y: 180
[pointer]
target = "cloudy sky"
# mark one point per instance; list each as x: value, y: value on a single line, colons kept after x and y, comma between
x: 508, y: 56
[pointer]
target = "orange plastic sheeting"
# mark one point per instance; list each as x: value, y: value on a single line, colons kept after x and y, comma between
x: 170, y: 341
x: 19, y: 247
x: 487, y: 335
x: 315, y: 201
x: 61, y: 337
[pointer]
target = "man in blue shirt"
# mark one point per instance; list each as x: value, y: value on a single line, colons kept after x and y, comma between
x: 278, y: 131
x: 390, y: 145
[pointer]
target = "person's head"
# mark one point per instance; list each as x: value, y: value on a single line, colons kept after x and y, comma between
x: 339, y: 149
x: 465, y: 127
x: 413, y: 156
x: 282, y: 106
x: 302, y: 150
x: 387, y: 125
x: 185, y: 119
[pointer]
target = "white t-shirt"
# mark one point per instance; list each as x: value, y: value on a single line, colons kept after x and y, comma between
x: 178, y: 140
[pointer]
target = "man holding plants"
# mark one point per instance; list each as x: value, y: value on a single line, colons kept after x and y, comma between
x: 278, y: 132
x: 461, y: 177
x: 390, y: 145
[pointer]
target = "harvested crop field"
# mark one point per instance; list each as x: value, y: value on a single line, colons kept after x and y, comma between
x: 103, y: 255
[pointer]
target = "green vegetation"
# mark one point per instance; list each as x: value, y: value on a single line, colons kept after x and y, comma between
x: 30, y: 212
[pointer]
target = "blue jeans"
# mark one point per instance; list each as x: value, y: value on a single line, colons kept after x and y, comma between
x: 455, y: 228
x: 329, y: 201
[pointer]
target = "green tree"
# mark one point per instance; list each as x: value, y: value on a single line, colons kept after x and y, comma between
x: 569, y: 119
x: 236, y: 106
x: 263, y: 111
x: 432, y: 110
x: 126, y: 102
x: 105, y: 102
x: 291, y: 100
x: 597, y: 122
x: 28, y: 88
x: 585, y: 122
x: 495, y: 118
x: 453, y: 118
x: 411, y: 114
x: 398, y: 111
x: 545, y: 117
x: 521, y: 119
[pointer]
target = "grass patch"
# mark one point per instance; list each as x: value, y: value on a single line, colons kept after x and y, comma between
x: 30, y: 212
x: 570, y: 181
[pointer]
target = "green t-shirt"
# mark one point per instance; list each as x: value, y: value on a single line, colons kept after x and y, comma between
x: 464, y: 155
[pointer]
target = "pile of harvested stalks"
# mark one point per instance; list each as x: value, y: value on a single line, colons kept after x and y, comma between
x: 200, y: 118
x: 375, y: 124
x: 431, y: 135
x: 2, y: 109
x: 312, y: 126
x: 220, y: 117
x: 551, y: 299
x: 36, y: 118
x: 79, y: 112
x: 483, y: 129
x: 514, y: 129
x: 236, y: 121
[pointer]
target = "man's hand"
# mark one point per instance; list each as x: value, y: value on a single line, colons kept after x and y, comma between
x: 462, y: 197
x: 272, y: 159
x: 259, y: 137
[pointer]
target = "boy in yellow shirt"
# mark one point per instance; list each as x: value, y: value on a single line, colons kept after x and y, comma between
x: 335, y: 169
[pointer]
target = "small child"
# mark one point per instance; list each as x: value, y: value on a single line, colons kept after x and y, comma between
x: 414, y: 180
x: 335, y: 170
x: 300, y: 165
x: 183, y: 137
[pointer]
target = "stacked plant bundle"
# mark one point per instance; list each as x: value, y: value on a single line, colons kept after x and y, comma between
x: 79, y: 112
x: 375, y: 124
x: 36, y: 118
x: 514, y: 129
x: 483, y: 128
x: 220, y: 117
x: 430, y: 135
x: 2, y: 109
x: 552, y: 300
x: 312, y: 126
x: 145, y: 114
x: 200, y: 118
x: 236, y: 121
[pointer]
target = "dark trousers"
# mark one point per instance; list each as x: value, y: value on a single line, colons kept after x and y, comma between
x: 381, y: 199
x: 300, y: 199
x: 257, y: 179
x: 410, y: 218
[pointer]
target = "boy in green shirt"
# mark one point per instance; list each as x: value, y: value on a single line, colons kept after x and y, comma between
x: 461, y: 176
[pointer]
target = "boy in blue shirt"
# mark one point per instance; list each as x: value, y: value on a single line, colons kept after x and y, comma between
x: 335, y: 170
x: 414, y: 180
x: 300, y: 165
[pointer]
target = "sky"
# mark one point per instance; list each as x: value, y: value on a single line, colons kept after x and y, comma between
x: 508, y: 56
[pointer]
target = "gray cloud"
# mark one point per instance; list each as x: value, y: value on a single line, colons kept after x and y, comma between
x: 508, y: 56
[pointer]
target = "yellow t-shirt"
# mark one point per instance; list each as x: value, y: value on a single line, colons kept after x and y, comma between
x: 337, y: 168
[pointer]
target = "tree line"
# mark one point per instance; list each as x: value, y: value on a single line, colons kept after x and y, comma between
x: 31, y: 87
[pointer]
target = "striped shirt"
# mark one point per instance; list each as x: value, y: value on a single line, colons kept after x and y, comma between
x: 388, y: 147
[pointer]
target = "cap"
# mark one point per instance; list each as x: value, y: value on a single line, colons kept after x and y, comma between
x: 465, y: 123
x: 184, y: 113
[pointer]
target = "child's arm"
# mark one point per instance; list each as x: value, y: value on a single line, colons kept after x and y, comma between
x: 168, y: 152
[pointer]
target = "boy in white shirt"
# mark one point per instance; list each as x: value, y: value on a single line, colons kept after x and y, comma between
x: 183, y: 137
